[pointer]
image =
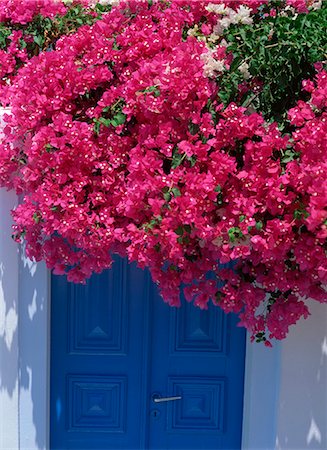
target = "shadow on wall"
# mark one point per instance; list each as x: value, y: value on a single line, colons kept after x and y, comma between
x: 33, y: 346
x: 8, y: 330
x: 23, y: 347
x: 302, y: 414
x: 8, y: 327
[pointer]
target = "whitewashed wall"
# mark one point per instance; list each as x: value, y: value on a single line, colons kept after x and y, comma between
x: 285, y: 399
x: 23, y: 343
x: 286, y: 389
x: 302, y: 406
x: 9, y: 364
x: 33, y: 355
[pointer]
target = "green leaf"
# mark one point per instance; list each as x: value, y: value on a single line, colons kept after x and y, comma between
x: 118, y: 119
x: 166, y: 193
x: 39, y: 40
x: 99, y: 8
x: 194, y: 128
x: 177, y: 159
x: 5, y: 32
x: 183, y: 231
x: 180, y: 230
x: 49, y: 148
x: 36, y: 217
x: 234, y: 234
x: 96, y: 127
x: 236, y: 62
x: 259, y: 225
x: 22, y: 43
x: 192, y: 160
x: 176, y: 192
x: 260, y: 337
x: 289, y: 155
x: 188, y: 228
x: 105, y: 122
x: 300, y: 214
x: 152, y: 89
x: 167, y: 196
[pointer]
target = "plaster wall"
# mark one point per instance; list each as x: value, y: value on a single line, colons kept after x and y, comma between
x: 286, y: 389
x: 302, y: 403
x: 9, y: 364
x: 33, y: 355
x: 261, y: 389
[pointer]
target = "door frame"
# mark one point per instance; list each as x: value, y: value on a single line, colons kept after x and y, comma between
x: 262, y: 369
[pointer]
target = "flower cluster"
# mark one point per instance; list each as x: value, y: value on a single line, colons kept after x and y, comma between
x: 118, y: 143
x: 14, y: 16
x: 31, y: 26
x: 24, y: 12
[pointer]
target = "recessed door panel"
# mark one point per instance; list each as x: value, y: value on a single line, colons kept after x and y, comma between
x: 98, y: 339
x: 202, y: 362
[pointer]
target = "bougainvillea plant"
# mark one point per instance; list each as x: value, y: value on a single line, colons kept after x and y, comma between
x: 189, y: 136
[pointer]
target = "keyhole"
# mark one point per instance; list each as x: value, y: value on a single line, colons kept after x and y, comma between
x: 155, y: 413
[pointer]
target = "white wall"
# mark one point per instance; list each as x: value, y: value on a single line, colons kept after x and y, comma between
x: 302, y: 406
x: 33, y: 355
x: 286, y: 389
x: 261, y: 388
x: 23, y: 343
x: 8, y: 327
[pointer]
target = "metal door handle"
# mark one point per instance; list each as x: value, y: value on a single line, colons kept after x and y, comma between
x: 166, y: 399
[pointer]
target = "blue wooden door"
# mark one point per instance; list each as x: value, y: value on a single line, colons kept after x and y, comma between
x: 129, y: 372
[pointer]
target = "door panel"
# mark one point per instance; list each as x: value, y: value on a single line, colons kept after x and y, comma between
x: 116, y: 347
x: 202, y: 361
x: 98, y: 361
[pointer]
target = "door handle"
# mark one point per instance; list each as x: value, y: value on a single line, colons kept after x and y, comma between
x: 158, y: 399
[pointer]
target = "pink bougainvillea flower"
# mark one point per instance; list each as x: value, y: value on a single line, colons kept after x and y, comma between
x: 117, y: 143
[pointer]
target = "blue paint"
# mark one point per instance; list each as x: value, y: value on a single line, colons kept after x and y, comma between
x: 58, y: 409
x: 118, y: 352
